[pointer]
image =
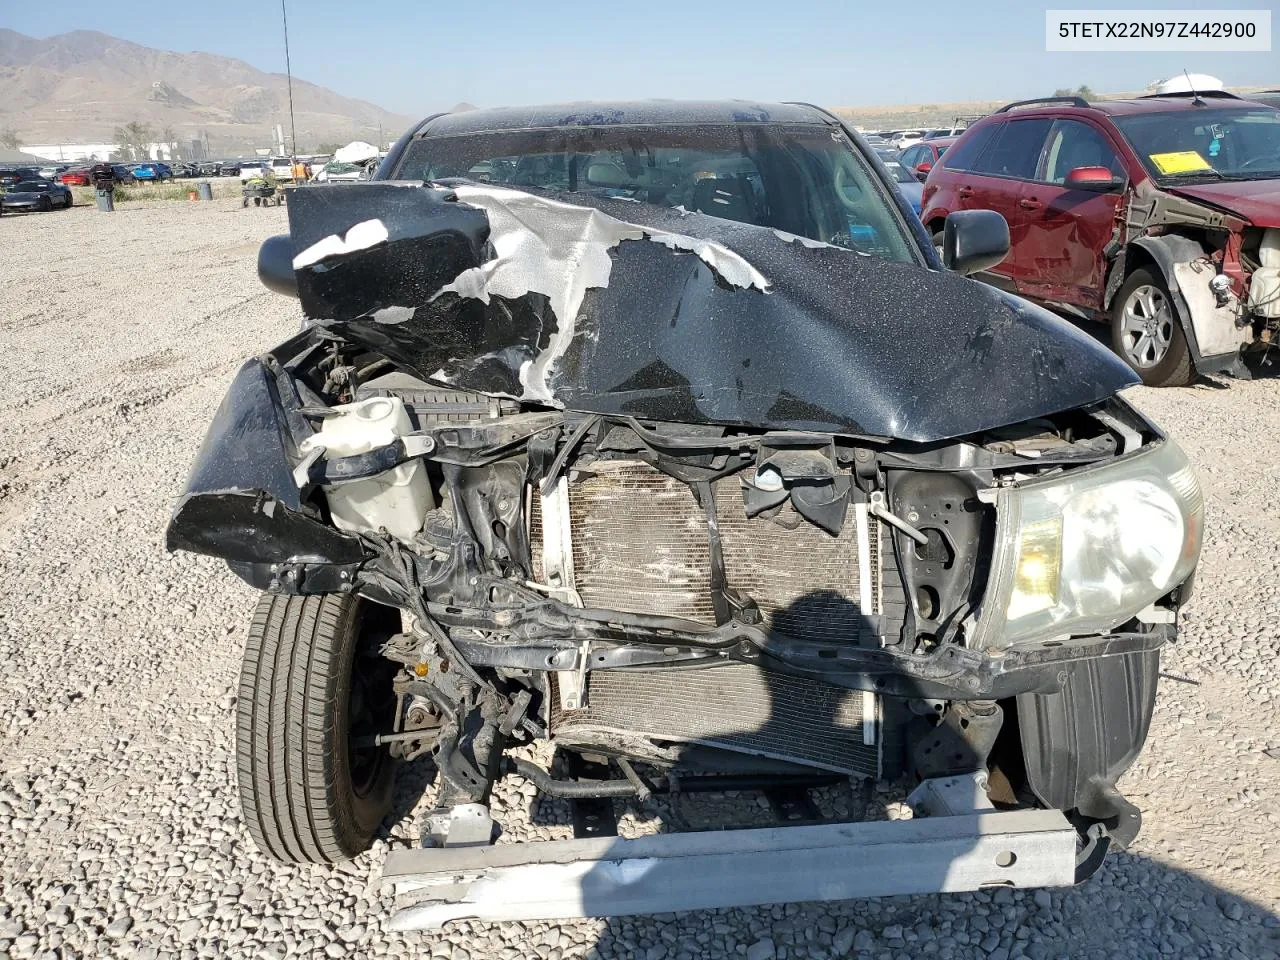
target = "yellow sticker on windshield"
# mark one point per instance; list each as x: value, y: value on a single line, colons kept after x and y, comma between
x: 1186, y: 161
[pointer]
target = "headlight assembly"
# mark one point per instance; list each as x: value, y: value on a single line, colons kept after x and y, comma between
x: 1086, y: 551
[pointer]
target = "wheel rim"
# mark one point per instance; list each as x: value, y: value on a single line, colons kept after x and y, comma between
x: 365, y: 762
x: 370, y: 708
x: 1146, y: 327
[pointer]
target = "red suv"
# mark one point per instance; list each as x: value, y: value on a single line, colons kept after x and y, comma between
x: 1159, y: 216
x: 925, y: 155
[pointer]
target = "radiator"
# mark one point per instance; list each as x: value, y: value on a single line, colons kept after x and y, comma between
x: 640, y: 545
x: 638, y: 542
x: 737, y: 707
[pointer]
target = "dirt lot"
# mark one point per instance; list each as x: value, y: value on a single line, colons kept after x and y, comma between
x: 119, y: 826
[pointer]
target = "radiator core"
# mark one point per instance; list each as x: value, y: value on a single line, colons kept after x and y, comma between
x: 736, y: 707
x: 640, y: 544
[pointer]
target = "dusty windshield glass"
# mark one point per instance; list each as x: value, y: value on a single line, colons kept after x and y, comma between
x: 1211, y: 143
x: 802, y: 178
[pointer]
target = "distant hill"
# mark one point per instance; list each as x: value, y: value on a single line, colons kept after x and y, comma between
x: 79, y: 87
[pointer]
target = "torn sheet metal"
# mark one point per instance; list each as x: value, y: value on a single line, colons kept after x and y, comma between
x: 716, y: 322
x: 1218, y: 326
x: 561, y: 250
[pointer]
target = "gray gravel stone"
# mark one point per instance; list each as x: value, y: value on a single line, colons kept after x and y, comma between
x: 119, y: 927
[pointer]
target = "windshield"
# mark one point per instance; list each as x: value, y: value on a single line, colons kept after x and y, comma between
x: 1210, y: 144
x: 805, y: 179
x: 30, y: 186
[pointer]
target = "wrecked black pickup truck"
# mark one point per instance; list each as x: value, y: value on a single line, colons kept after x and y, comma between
x: 660, y: 432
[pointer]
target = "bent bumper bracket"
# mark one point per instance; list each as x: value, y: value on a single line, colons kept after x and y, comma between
x: 693, y: 871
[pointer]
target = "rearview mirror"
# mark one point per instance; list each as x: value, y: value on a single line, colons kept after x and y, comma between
x: 922, y: 171
x: 974, y: 240
x: 1095, y: 179
x: 275, y: 265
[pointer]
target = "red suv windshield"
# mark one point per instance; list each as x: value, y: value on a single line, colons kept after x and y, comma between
x: 1211, y: 143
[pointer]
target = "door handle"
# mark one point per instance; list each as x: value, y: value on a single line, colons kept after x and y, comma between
x: 965, y: 193
x: 1029, y: 203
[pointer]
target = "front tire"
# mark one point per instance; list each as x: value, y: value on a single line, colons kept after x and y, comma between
x: 937, y: 243
x: 1147, y: 333
x: 311, y: 684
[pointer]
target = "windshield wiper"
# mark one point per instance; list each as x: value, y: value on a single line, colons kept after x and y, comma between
x: 1190, y: 174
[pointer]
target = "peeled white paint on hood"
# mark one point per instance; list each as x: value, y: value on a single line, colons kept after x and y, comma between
x: 561, y: 250
x: 394, y: 314
x: 360, y: 236
x: 731, y: 267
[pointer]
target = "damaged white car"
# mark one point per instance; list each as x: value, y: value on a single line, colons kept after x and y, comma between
x: 672, y: 442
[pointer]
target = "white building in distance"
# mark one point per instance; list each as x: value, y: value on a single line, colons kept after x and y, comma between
x: 78, y: 152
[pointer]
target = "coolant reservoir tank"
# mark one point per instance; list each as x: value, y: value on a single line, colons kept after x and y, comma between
x: 397, y: 500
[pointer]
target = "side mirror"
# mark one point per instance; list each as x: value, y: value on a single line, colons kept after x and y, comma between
x: 1094, y: 179
x: 275, y: 265
x: 922, y: 171
x: 974, y: 240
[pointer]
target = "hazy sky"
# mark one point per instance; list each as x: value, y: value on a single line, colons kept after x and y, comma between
x: 421, y: 57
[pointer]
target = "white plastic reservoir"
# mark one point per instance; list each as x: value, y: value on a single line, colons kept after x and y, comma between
x: 398, y: 499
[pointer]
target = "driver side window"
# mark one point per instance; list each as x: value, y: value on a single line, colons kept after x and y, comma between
x: 1075, y: 144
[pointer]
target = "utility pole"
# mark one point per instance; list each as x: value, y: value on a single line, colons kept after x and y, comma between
x: 288, y: 72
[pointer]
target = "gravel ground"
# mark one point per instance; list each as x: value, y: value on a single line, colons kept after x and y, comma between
x: 119, y: 826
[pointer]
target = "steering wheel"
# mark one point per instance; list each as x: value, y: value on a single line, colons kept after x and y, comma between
x: 843, y: 181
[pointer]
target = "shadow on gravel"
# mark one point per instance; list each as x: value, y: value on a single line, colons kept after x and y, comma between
x: 413, y: 780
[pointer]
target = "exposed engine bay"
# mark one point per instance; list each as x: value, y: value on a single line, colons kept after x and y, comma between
x: 656, y: 588
x: 667, y: 574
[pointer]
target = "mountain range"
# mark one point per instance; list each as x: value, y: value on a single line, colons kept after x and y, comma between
x: 79, y: 87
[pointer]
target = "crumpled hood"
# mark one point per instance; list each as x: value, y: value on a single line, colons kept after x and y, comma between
x: 1258, y: 201
x: 616, y: 307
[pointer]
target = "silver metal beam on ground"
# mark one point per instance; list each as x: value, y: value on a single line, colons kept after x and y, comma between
x: 696, y: 871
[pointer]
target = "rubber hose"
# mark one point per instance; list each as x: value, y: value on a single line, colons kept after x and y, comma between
x: 570, y: 788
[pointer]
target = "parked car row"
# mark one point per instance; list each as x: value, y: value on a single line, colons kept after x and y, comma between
x: 88, y: 174
x: 155, y: 171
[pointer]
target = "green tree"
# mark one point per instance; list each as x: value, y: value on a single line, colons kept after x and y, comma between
x: 9, y: 138
x: 134, y: 140
x: 1083, y: 91
x: 328, y: 148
